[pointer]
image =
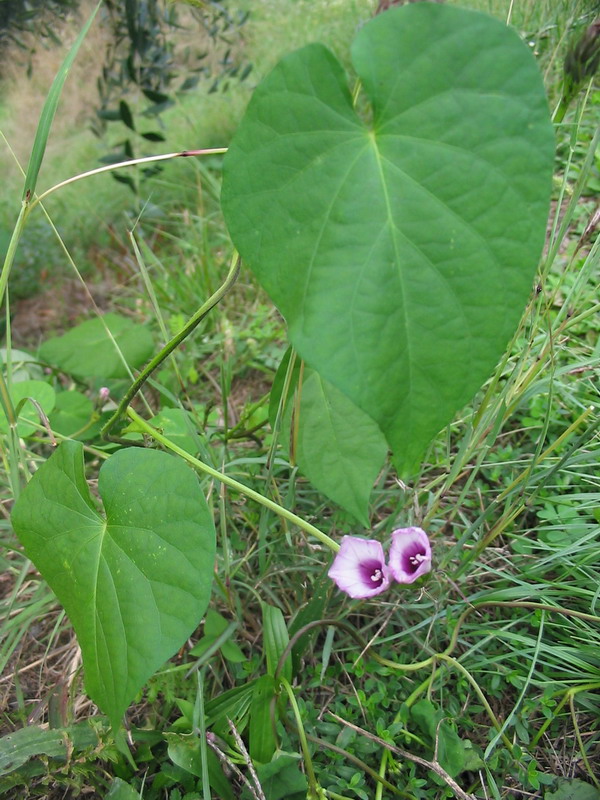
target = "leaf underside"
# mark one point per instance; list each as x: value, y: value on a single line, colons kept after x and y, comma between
x: 338, y: 447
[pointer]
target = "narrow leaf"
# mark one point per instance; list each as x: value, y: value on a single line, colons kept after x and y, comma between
x: 275, y: 639
x: 261, y: 731
x: 49, y: 110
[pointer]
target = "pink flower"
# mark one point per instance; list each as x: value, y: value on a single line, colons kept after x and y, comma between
x: 359, y: 568
x: 410, y: 554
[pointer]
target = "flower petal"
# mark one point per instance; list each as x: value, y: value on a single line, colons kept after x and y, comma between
x: 410, y: 554
x: 359, y: 567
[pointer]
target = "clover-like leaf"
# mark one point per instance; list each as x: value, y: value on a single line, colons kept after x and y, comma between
x: 135, y: 583
x: 399, y: 239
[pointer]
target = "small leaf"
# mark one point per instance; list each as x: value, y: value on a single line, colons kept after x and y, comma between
x: 24, y: 365
x: 120, y: 790
x: 72, y: 411
x: 281, y: 779
x: 19, y: 747
x: 217, y: 633
x: 87, y: 350
x: 312, y: 611
x: 450, y: 747
x: 233, y: 703
x: 28, y: 415
x: 135, y: 584
x: 179, y: 427
x: 275, y: 640
x: 184, y: 750
x: 153, y: 136
x: 126, y: 115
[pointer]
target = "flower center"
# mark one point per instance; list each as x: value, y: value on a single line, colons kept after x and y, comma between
x: 371, y: 573
x: 417, y: 559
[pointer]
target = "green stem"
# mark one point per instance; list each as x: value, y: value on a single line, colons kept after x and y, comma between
x: 579, y: 738
x: 313, y: 785
x: 12, y: 247
x: 170, y: 346
x: 588, y: 687
x: 130, y: 163
x: 240, y: 487
x: 484, y: 702
x: 381, y: 781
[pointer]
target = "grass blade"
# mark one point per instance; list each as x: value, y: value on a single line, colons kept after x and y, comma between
x: 49, y: 110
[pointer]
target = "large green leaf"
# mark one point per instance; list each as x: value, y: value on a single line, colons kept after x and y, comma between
x: 90, y: 351
x: 337, y: 446
x: 134, y: 584
x: 400, y: 240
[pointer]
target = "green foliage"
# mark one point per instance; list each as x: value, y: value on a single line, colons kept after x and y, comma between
x: 276, y: 640
x: 26, y: 411
x: 414, y: 323
x: 217, y: 635
x: 263, y: 741
x: 38, y: 254
x: 37, y: 16
x: 19, y: 747
x: 509, y: 495
x: 142, y: 63
x: 572, y: 789
x: 71, y: 415
x: 134, y: 584
x: 281, y: 779
x: 120, y: 790
x: 103, y: 347
x: 450, y: 748
x: 335, y: 444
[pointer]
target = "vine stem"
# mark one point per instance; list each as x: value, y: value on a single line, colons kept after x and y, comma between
x: 314, y: 790
x: 171, y: 345
x: 12, y: 246
x: 145, y: 427
x: 130, y: 163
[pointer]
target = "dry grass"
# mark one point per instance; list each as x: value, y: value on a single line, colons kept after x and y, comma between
x: 23, y: 95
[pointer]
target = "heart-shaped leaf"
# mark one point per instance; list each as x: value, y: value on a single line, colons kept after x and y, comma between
x: 400, y: 242
x: 88, y: 351
x: 136, y: 584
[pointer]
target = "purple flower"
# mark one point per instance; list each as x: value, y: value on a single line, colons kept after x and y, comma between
x: 410, y: 554
x: 359, y: 568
